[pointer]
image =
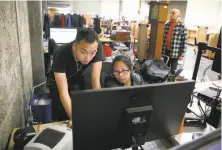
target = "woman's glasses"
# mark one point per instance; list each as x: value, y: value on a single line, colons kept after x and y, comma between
x: 124, y: 72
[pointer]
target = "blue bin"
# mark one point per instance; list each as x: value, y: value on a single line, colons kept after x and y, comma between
x: 41, y: 108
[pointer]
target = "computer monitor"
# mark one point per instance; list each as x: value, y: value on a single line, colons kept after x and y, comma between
x: 63, y: 35
x: 110, y: 118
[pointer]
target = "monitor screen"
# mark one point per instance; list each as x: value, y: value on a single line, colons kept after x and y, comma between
x: 62, y: 36
x: 154, y: 111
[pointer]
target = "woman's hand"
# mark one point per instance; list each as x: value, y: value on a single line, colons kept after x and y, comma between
x: 180, y: 58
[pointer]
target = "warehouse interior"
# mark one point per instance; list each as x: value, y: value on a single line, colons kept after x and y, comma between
x: 170, y: 108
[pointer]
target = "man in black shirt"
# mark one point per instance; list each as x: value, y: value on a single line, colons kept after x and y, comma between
x: 69, y: 62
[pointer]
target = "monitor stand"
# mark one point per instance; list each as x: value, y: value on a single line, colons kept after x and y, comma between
x: 137, y: 124
x: 135, y: 145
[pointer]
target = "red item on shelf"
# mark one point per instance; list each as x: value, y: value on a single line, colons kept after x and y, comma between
x: 107, y: 50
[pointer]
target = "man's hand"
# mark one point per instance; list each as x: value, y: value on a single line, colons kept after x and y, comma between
x: 180, y: 58
x: 69, y: 124
x: 95, y: 75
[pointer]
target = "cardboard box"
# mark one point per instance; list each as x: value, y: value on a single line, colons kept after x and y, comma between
x: 122, y: 36
x: 213, y: 39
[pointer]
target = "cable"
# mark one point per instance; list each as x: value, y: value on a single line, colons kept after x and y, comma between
x: 191, y: 101
x: 217, y: 86
x: 193, y: 95
x: 205, y: 108
x: 201, y: 108
x: 79, y: 68
x: 196, y: 114
x: 204, y: 73
x: 203, y: 113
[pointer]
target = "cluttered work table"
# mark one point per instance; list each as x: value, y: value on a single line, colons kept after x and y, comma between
x: 185, y: 137
x: 109, y: 40
x: 157, y: 144
x: 200, y: 87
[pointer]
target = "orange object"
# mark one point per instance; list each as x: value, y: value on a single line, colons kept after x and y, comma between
x: 181, y: 127
x: 107, y: 50
x: 87, y: 18
x: 62, y: 20
x: 170, y: 34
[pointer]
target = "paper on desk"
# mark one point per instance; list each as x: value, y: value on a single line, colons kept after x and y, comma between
x: 187, y: 137
x: 153, y: 145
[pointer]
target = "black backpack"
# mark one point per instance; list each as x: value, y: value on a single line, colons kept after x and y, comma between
x: 155, y: 71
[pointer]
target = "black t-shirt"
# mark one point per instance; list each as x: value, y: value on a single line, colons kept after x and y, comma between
x: 64, y: 62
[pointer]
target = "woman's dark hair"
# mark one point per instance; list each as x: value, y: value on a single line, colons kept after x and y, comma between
x: 89, y: 35
x: 125, y: 59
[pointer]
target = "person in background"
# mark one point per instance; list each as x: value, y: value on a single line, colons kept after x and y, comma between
x: 123, y: 74
x: 174, y: 40
x: 109, y: 26
x: 69, y: 62
x: 96, y: 24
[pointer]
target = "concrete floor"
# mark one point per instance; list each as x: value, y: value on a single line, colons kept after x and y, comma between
x: 188, y: 65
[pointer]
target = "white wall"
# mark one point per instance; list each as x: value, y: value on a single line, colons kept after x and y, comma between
x: 220, y: 15
x: 110, y: 8
x: 130, y: 9
x: 107, y: 8
x: 144, y: 10
x: 181, y: 5
x: 204, y: 13
x: 86, y: 6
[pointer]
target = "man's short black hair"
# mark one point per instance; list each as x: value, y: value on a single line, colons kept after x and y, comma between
x: 89, y: 35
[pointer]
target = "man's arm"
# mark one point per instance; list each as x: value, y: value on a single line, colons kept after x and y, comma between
x: 95, y: 75
x: 164, y: 41
x: 183, y: 46
x: 62, y: 85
